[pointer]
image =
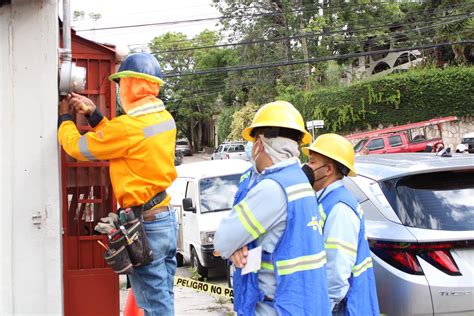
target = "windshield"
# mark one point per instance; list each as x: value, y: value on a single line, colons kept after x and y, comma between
x: 217, y: 193
x: 441, y: 200
x: 359, y: 145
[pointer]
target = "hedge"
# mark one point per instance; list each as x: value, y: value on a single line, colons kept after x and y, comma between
x: 401, y: 98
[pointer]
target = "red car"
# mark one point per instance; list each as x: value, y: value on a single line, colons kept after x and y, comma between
x: 422, y: 136
x: 397, y: 143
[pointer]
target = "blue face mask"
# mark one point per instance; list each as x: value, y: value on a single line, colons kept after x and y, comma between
x: 248, y: 151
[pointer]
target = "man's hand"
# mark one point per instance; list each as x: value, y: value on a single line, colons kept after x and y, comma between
x: 81, y: 104
x: 64, y: 107
x: 239, y: 258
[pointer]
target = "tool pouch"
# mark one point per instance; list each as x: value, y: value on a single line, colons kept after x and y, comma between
x: 119, y: 260
x: 138, y: 246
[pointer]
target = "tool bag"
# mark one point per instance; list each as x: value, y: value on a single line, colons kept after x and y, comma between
x: 129, y: 245
x: 129, y: 248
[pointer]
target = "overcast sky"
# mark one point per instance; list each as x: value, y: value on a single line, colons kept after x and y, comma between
x: 126, y: 12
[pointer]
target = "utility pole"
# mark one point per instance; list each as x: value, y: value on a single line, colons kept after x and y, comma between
x: 304, y: 44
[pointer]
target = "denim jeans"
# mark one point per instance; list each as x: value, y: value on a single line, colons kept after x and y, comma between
x: 152, y: 284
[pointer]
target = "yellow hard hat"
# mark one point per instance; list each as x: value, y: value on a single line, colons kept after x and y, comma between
x: 335, y: 147
x: 278, y: 114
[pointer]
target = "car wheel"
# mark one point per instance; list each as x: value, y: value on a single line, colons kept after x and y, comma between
x: 230, y: 272
x: 197, y: 265
x: 179, y: 260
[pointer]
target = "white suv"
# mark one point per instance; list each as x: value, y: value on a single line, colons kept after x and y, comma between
x: 231, y: 150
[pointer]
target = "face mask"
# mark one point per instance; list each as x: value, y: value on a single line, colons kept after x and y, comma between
x: 258, y: 152
x: 309, y: 173
x: 248, y: 151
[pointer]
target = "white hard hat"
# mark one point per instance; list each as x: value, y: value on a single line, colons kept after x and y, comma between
x: 461, y: 148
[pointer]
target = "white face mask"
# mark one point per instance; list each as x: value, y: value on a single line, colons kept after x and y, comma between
x: 254, y: 161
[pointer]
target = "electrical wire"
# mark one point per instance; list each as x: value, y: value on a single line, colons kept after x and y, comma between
x: 310, y: 35
x: 216, y: 18
x: 310, y: 60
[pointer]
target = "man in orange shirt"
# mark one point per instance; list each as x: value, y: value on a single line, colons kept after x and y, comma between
x: 140, y: 147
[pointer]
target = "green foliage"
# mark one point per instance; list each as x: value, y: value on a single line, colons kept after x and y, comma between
x: 224, y: 122
x: 396, y: 99
x: 242, y: 119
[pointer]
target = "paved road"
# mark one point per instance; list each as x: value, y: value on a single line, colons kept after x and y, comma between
x: 189, y: 302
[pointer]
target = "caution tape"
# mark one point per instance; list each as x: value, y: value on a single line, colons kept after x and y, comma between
x: 204, y: 287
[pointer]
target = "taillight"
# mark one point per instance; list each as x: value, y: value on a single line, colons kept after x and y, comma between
x: 442, y: 260
x: 403, y: 256
x: 397, y: 255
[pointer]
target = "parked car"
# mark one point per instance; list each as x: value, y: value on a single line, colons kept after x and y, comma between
x: 468, y: 141
x: 420, y: 225
x: 203, y: 194
x: 184, y: 146
x: 397, y: 143
x: 231, y: 150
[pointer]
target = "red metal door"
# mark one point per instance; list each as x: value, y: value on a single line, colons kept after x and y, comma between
x: 90, y: 287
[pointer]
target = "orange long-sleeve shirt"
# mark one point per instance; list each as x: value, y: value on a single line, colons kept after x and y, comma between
x: 140, y: 147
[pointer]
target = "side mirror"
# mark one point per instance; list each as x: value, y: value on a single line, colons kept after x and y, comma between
x: 188, y: 205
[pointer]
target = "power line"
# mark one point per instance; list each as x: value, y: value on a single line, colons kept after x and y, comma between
x: 325, y: 33
x: 221, y: 17
x: 310, y: 60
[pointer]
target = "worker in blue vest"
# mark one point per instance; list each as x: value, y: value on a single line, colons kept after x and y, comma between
x: 351, y: 281
x: 275, y: 222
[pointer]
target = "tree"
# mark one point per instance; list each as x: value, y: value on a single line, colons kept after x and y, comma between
x: 192, y: 99
x: 242, y: 119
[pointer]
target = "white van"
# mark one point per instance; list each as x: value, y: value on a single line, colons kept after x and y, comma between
x: 203, y: 194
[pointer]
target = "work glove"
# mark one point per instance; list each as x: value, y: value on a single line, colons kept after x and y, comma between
x: 106, y: 224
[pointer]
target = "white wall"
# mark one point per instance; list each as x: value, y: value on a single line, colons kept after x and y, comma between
x: 30, y: 254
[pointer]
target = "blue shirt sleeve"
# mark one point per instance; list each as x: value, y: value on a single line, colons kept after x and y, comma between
x: 263, y: 208
x: 341, y: 232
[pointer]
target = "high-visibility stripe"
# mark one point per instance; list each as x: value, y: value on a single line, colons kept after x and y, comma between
x: 244, y: 176
x: 84, y: 148
x: 303, y: 263
x: 321, y: 212
x: 333, y: 243
x: 361, y: 267
x: 159, y: 128
x: 248, y: 220
x: 322, y: 220
x: 148, y: 108
x: 299, y: 191
x: 267, y: 266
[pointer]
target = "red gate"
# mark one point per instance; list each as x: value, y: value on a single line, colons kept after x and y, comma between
x: 90, y: 288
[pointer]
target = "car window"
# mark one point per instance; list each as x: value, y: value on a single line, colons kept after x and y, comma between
x: 375, y: 144
x: 440, y: 200
x: 217, y: 193
x: 403, y: 59
x: 395, y: 140
x: 185, y: 143
x: 360, y: 145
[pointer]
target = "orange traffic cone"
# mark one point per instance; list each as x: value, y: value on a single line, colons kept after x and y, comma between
x: 131, y: 308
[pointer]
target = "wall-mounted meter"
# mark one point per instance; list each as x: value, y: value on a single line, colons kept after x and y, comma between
x: 71, y: 78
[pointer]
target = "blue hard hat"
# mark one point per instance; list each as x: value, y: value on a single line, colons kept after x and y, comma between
x: 139, y: 65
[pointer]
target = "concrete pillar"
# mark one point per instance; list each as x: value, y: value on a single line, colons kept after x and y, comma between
x: 30, y: 222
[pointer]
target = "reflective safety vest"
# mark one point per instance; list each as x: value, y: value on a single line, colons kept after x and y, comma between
x: 362, y: 294
x: 140, y: 147
x: 299, y: 258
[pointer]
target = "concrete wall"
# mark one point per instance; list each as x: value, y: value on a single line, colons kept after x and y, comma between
x: 30, y: 230
x: 454, y: 131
